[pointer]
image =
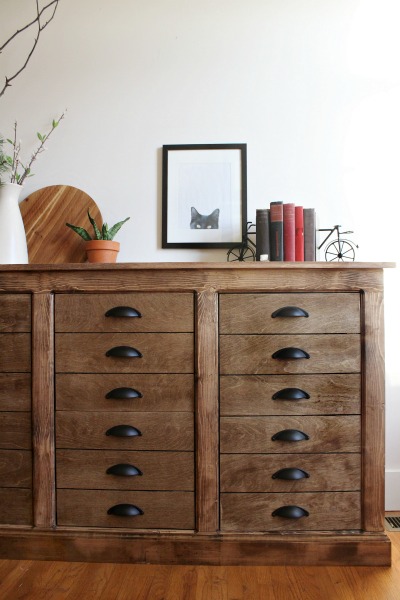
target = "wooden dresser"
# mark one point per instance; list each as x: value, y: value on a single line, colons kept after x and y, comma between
x: 213, y: 413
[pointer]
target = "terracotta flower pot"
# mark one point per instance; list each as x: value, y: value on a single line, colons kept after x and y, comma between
x: 102, y: 251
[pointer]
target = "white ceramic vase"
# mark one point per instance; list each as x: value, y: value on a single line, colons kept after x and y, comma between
x: 13, y: 246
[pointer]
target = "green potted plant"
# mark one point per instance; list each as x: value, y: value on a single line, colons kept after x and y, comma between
x: 101, y: 248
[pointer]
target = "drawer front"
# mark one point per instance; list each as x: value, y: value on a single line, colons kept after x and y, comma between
x: 15, y: 506
x: 133, y: 393
x: 15, y: 313
x: 159, y: 431
x: 253, y: 354
x: 156, y: 312
x: 160, y: 353
x: 15, y: 430
x: 290, y: 394
x: 328, y: 511
x: 161, y: 510
x: 325, y: 434
x: 253, y: 313
x: 154, y: 470
x: 293, y: 473
x: 15, y: 352
x: 15, y: 391
x: 15, y: 468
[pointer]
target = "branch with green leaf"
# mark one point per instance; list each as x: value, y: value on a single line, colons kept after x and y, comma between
x: 105, y: 233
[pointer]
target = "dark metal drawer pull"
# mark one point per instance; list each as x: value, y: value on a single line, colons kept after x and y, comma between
x: 125, y: 510
x: 123, y: 393
x: 290, y: 435
x: 123, y: 431
x: 291, y: 474
x: 123, y: 311
x: 290, y: 394
x: 289, y: 311
x: 287, y: 353
x: 124, y: 352
x: 123, y: 470
x: 290, y: 512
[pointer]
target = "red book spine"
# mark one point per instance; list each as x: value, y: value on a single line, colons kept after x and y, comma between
x: 299, y: 233
x: 289, y: 232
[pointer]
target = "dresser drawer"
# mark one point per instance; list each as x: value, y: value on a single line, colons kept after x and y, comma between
x: 325, y: 434
x: 158, y: 353
x: 253, y: 313
x: 134, y: 393
x: 327, y: 511
x: 159, y: 431
x: 15, y: 506
x: 290, y: 473
x: 253, y: 354
x: 290, y: 394
x: 85, y: 469
x: 155, y: 312
x: 15, y: 468
x: 161, y: 510
x: 15, y: 313
x: 15, y: 391
x: 15, y: 352
x: 15, y: 430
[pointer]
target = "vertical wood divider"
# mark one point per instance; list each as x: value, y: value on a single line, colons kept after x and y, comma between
x: 43, y: 410
x: 207, y: 429
x: 373, y: 413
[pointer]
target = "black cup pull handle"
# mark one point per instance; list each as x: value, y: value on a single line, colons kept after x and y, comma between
x: 123, y: 311
x: 289, y: 311
x: 125, y: 510
x: 124, y: 352
x: 290, y: 512
x: 290, y: 474
x: 290, y: 435
x: 290, y: 394
x: 123, y: 431
x: 124, y: 470
x: 290, y: 353
x: 123, y: 393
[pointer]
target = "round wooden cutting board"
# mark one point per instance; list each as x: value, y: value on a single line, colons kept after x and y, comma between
x: 45, y: 213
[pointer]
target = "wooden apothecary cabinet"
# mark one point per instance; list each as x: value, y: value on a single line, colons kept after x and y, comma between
x: 211, y: 413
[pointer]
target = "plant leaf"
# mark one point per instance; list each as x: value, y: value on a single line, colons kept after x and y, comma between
x: 97, y: 231
x: 104, y: 232
x: 80, y: 231
x: 115, y: 228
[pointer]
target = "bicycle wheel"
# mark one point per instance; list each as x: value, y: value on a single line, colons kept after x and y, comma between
x: 241, y: 253
x: 340, y: 250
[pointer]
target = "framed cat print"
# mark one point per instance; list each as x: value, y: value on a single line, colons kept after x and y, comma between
x: 204, y: 195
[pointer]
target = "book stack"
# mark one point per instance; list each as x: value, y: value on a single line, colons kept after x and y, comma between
x: 286, y: 232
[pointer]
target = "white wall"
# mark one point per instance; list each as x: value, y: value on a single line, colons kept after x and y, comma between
x: 312, y: 87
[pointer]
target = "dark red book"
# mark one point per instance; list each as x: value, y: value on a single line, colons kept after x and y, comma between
x: 299, y: 233
x: 289, y: 232
x: 276, y: 230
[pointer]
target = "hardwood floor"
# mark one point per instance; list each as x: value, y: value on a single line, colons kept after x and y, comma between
x: 40, y: 580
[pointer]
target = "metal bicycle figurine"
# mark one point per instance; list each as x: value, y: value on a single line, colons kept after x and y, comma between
x: 247, y: 249
x: 339, y: 249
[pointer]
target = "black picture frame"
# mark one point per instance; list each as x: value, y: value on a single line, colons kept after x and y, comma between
x: 212, y: 179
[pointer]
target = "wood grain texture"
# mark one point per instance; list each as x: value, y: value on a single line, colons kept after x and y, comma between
x: 87, y: 469
x: 43, y: 410
x: 253, y: 394
x: 15, y: 430
x: 15, y: 392
x: 161, y: 353
x: 326, y: 434
x: 159, y: 312
x: 15, y: 506
x: 16, y: 468
x: 172, y: 392
x: 15, y: 313
x: 252, y: 354
x: 45, y: 213
x: 15, y: 352
x: 252, y: 313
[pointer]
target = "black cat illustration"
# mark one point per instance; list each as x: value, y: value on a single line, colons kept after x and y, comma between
x: 199, y: 221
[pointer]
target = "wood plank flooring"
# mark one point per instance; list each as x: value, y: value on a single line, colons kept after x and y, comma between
x: 41, y: 580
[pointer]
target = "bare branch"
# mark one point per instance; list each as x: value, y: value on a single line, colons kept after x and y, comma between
x: 39, y: 13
